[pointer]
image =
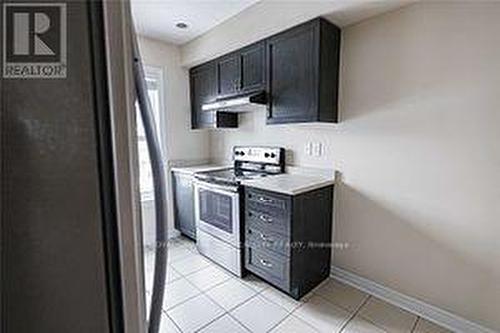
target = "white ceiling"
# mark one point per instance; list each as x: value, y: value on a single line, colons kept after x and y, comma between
x: 157, y: 18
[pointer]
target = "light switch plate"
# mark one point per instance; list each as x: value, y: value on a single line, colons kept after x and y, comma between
x: 317, y: 149
x: 309, y: 148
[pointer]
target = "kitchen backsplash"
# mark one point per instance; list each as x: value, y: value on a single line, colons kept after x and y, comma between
x: 306, y: 144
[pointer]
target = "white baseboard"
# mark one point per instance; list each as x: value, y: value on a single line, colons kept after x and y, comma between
x: 430, y: 312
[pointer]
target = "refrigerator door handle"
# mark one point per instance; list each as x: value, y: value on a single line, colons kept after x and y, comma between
x: 159, y: 183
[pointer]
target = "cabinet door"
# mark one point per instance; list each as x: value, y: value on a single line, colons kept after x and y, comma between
x: 293, y: 75
x: 228, y: 75
x: 184, y: 219
x: 253, y: 75
x: 203, y: 89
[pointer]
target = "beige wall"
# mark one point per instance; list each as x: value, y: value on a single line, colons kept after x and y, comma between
x: 182, y: 142
x: 418, y: 151
x: 268, y: 17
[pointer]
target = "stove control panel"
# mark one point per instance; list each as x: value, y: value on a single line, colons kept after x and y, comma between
x: 259, y: 154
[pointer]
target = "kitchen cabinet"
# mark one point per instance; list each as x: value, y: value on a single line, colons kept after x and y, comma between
x: 303, y: 66
x: 203, y: 89
x: 228, y: 75
x: 287, y: 238
x: 183, y: 190
x: 241, y: 72
x: 298, y: 69
x: 253, y: 68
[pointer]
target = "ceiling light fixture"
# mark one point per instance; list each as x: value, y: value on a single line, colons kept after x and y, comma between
x: 181, y: 25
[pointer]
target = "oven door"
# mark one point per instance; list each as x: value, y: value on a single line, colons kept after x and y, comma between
x: 217, y: 211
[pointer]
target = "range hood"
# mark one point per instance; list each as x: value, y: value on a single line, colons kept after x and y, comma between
x: 246, y: 103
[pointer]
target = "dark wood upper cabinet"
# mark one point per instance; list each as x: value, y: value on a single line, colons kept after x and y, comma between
x: 253, y: 68
x: 303, y: 64
x: 241, y: 72
x: 298, y: 69
x: 228, y: 75
x: 203, y: 89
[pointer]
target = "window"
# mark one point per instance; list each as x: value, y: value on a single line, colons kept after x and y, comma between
x: 155, y: 87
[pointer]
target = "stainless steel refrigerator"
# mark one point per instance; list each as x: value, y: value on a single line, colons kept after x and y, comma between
x: 71, y: 251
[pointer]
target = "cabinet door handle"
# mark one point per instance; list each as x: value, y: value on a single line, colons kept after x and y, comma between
x: 266, y: 238
x: 237, y: 84
x: 265, y: 200
x: 265, y: 263
x: 265, y: 218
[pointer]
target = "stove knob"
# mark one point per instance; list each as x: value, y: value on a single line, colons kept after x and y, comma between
x: 273, y: 155
x: 242, y: 153
x: 266, y: 155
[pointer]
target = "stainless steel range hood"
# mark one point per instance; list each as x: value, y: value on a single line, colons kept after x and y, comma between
x: 247, y: 103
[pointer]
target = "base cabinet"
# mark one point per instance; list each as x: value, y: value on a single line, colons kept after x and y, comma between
x: 288, y: 238
x: 183, y: 190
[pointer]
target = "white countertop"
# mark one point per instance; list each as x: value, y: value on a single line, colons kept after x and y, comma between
x: 191, y: 170
x: 294, y: 181
x: 290, y: 183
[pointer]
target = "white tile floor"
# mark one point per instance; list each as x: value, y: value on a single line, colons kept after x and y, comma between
x: 202, y: 297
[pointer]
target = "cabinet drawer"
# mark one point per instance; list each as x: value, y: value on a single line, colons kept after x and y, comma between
x: 266, y: 240
x: 271, y: 267
x: 267, y: 221
x: 267, y: 201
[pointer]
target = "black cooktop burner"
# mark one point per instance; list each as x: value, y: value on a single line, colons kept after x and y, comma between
x: 230, y: 175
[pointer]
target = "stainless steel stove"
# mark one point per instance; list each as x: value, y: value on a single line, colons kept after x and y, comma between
x: 217, y: 203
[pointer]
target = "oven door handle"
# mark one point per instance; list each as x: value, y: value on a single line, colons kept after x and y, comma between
x: 215, y: 187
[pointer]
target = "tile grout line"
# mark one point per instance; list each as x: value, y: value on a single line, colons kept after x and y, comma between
x: 279, y: 322
x: 204, y: 292
x: 257, y: 294
x: 210, y: 322
x: 290, y: 314
x: 239, y: 322
x: 225, y: 312
x: 187, y: 299
x: 228, y: 312
x: 234, y: 307
x: 181, y: 276
x: 191, y: 297
x: 414, y: 327
x: 378, y: 325
x: 354, y: 314
x: 173, y: 322
x: 260, y: 293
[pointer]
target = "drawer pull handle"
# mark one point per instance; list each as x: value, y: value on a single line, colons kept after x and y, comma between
x: 266, y: 218
x: 265, y: 200
x: 265, y: 263
x: 266, y: 239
